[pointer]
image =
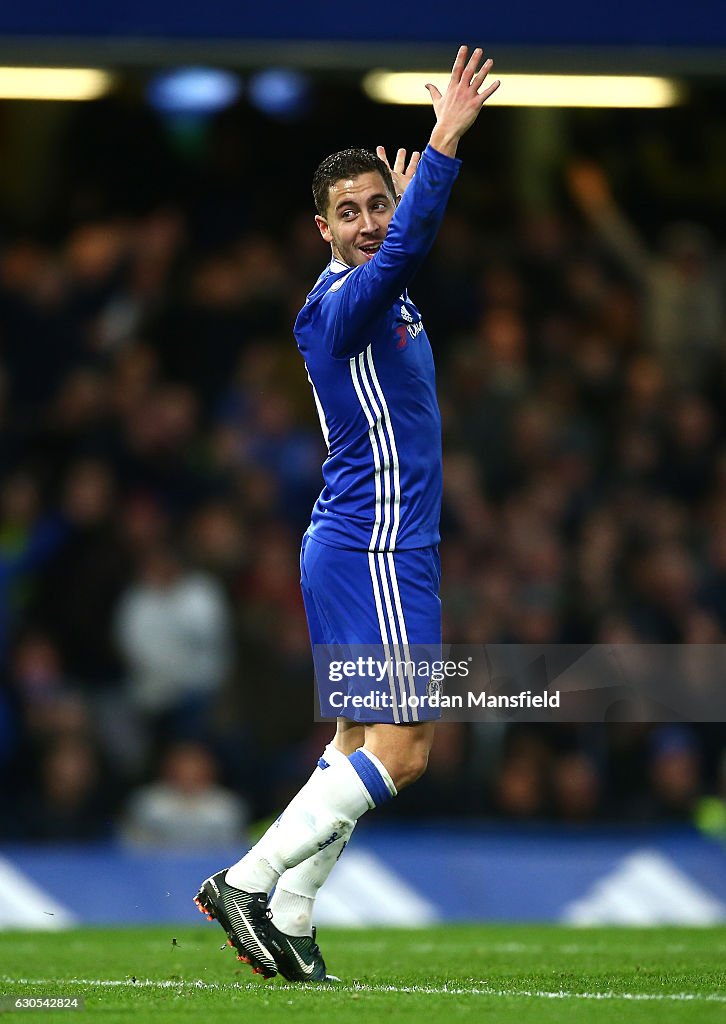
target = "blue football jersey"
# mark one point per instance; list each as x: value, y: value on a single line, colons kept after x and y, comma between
x: 371, y: 367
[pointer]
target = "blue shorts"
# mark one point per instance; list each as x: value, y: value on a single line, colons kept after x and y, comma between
x: 381, y: 604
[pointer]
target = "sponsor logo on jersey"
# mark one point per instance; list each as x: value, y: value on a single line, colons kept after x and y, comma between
x: 406, y: 331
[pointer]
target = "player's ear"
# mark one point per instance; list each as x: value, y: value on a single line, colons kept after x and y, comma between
x: 324, y: 228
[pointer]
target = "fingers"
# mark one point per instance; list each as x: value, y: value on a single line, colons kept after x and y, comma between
x: 400, y: 163
x: 483, y: 96
x: 482, y: 73
x: 434, y: 92
x: 399, y: 171
x: 459, y: 62
x: 467, y: 72
x: 413, y: 163
x: 470, y: 69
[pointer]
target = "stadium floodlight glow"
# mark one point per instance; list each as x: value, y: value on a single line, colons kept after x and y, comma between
x: 533, y: 90
x: 280, y: 92
x: 28, y: 83
x: 193, y: 90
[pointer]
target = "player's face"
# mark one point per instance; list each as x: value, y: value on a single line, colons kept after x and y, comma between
x: 359, y: 212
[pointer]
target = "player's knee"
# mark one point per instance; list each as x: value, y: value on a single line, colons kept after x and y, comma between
x: 412, y: 768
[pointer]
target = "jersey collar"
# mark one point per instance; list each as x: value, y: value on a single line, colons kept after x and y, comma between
x: 337, y: 266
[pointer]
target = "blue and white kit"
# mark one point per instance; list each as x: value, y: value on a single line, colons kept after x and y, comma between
x: 371, y: 367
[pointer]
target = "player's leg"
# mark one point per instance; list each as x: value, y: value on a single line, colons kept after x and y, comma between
x: 403, y: 749
x: 237, y: 898
x: 294, y: 897
x: 325, y: 813
x: 349, y: 736
x: 342, y: 592
x: 341, y: 588
x: 326, y: 810
x: 340, y: 608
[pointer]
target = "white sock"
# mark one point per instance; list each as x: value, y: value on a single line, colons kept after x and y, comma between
x: 331, y: 753
x: 291, y: 912
x: 293, y: 900
x: 325, y: 810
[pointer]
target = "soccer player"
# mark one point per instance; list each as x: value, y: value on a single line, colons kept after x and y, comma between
x: 369, y: 560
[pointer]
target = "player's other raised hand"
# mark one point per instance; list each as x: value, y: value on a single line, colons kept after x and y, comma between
x: 402, y: 175
x: 459, y: 106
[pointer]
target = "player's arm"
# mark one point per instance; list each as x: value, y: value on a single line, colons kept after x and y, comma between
x: 368, y: 291
x: 458, y: 108
x: 353, y: 307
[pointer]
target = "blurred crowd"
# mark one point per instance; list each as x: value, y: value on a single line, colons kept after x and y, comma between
x: 160, y: 454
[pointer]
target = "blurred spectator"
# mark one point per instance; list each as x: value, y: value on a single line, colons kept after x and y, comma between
x: 81, y: 585
x: 38, y: 681
x: 173, y: 631
x: 217, y: 541
x: 29, y: 536
x: 74, y: 798
x: 520, y: 790
x: 684, y: 301
x: 675, y: 773
x: 576, y: 788
x: 186, y: 809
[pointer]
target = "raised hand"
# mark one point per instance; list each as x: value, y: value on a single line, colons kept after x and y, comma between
x: 402, y: 175
x: 459, y: 106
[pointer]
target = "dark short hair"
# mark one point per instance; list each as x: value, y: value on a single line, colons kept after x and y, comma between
x: 348, y: 163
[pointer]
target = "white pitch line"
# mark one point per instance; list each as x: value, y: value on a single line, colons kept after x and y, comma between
x: 443, y: 990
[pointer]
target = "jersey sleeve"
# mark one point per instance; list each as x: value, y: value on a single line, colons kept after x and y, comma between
x: 354, y: 303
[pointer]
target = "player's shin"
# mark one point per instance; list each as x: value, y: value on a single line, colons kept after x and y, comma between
x: 323, y: 813
x: 293, y: 901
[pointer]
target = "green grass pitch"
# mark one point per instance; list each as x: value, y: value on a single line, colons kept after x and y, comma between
x: 491, y: 973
